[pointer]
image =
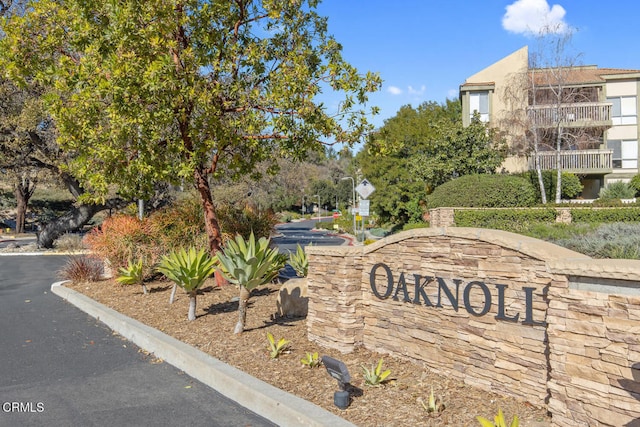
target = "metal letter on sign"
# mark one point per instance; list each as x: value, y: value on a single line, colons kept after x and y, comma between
x: 365, y: 188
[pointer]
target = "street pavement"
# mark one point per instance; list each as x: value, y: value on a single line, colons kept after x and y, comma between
x: 293, y: 233
x: 60, y: 367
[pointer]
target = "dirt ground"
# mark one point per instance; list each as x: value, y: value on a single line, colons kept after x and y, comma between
x: 396, y: 403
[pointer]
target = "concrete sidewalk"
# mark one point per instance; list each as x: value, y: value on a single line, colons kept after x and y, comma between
x: 264, y: 399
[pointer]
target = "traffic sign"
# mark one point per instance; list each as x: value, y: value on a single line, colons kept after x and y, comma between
x: 365, y: 188
x: 364, y: 207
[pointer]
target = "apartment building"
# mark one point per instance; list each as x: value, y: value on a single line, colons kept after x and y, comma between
x: 591, y: 113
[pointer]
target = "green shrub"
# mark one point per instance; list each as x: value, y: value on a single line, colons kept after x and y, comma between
x: 413, y: 226
x: 488, y: 191
x: 571, y: 185
x: 178, y: 225
x: 602, y: 215
x: 514, y: 220
x: 635, y: 184
x: 617, y: 190
x: 244, y: 221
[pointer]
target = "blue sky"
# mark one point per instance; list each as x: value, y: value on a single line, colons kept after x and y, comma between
x: 424, y: 49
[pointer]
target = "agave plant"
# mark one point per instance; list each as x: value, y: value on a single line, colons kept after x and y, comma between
x: 132, y: 274
x: 248, y: 264
x: 188, y: 269
x: 498, y: 421
x: 299, y: 262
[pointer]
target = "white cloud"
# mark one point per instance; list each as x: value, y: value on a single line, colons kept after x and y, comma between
x: 531, y: 17
x: 453, y: 93
x: 394, y: 90
x: 417, y: 92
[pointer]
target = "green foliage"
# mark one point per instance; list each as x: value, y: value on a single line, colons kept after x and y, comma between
x: 187, y: 268
x: 413, y: 226
x: 276, y: 348
x: 244, y: 221
x: 457, y: 151
x: 180, y: 224
x: 386, y: 158
x: 249, y: 263
x: 617, y: 190
x: 82, y: 269
x: 514, y: 220
x: 311, y: 360
x: 434, y: 405
x: 132, y: 274
x: 375, y: 376
x: 499, y: 421
x: 635, y: 184
x: 614, y: 240
x: 571, y: 186
x: 483, y: 191
x: 603, y: 215
x: 153, y: 92
x: 299, y: 261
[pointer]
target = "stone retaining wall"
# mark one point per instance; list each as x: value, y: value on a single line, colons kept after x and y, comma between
x: 500, y: 311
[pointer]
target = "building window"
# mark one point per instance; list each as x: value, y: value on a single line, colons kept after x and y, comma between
x: 625, y: 153
x: 479, y: 102
x: 624, y: 110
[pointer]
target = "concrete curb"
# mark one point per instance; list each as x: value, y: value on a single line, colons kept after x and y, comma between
x: 264, y: 399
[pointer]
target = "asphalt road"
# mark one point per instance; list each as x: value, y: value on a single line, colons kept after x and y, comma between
x: 60, y: 367
x: 294, y: 233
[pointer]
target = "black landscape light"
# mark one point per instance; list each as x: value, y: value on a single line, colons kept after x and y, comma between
x: 339, y: 371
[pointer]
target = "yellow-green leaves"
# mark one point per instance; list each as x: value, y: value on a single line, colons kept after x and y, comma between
x: 499, y: 421
x: 375, y: 376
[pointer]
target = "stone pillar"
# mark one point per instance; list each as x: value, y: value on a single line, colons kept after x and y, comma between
x: 334, y: 319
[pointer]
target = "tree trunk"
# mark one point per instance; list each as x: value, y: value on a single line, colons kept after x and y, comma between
x: 192, y: 305
x: 212, y: 226
x: 21, y: 212
x: 242, y: 310
x: 72, y: 220
x: 24, y: 189
x: 559, y: 165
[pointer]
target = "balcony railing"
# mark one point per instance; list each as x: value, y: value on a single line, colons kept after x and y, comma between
x: 579, y: 114
x: 576, y: 161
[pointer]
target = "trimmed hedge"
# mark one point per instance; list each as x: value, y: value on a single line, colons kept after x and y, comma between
x: 504, y: 219
x: 486, y: 191
x: 594, y: 216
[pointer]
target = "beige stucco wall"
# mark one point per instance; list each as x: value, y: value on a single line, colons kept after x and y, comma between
x: 579, y: 353
x: 500, y: 74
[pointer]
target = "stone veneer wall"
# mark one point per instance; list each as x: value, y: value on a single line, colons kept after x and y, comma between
x: 580, y: 364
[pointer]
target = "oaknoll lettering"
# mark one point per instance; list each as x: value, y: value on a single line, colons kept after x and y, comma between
x: 452, y: 292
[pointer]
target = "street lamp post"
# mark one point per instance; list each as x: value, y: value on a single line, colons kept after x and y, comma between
x: 353, y: 200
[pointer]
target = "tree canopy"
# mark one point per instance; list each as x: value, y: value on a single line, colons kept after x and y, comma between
x: 148, y: 91
x: 421, y: 148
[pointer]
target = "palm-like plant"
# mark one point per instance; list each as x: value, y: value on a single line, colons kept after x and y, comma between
x: 132, y: 274
x: 188, y: 269
x: 248, y: 264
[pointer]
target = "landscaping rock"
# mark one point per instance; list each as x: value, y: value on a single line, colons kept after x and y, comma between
x: 292, y: 298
